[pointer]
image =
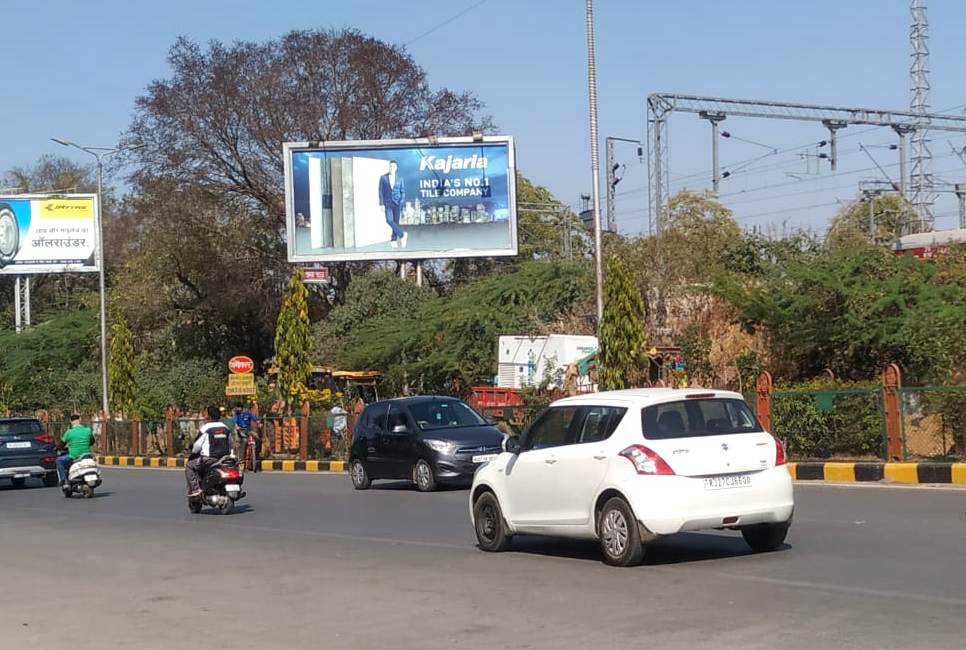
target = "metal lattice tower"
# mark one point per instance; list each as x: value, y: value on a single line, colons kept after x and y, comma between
x: 922, y: 196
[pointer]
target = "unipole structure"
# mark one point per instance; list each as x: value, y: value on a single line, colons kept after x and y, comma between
x: 594, y: 158
x: 99, y: 153
x: 921, y: 182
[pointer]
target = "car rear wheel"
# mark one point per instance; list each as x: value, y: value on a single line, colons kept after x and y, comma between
x: 51, y: 480
x: 359, y: 475
x: 424, y: 477
x: 620, y: 538
x: 491, y: 530
x: 18, y: 482
x: 765, y: 537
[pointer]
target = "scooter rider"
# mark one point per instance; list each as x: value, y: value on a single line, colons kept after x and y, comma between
x: 77, y: 441
x: 214, y: 441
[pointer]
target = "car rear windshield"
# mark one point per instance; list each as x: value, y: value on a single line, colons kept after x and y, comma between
x: 693, y: 418
x: 444, y: 414
x: 20, y: 428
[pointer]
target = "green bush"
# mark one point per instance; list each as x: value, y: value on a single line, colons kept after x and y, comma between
x: 816, y: 419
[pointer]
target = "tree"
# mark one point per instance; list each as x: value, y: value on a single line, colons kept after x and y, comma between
x: 213, y: 133
x: 621, y: 356
x: 122, y: 369
x: 891, y: 215
x: 293, y: 341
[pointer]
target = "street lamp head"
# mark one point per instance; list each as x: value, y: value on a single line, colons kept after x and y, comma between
x: 725, y: 134
x: 66, y: 143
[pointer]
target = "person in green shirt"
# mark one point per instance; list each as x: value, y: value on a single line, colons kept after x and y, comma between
x: 77, y: 440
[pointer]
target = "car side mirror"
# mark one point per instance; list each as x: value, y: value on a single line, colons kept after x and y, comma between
x: 400, y: 429
x: 512, y: 445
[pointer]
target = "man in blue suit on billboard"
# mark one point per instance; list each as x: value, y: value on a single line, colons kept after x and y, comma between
x: 392, y: 194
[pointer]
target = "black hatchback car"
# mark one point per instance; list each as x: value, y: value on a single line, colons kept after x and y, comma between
x: 427, y: 440
x: 26, y: 451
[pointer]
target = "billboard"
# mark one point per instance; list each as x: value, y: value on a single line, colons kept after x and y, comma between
x: 48, y: 234
x: 400, y: 199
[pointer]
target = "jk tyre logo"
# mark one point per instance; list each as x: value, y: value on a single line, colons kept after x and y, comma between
x: 9, y: 235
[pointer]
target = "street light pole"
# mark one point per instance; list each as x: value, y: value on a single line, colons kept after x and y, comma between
x: 99, y: 153
x: 594, y: 159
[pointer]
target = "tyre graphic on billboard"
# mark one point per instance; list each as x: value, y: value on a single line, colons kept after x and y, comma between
x: 9, y: 235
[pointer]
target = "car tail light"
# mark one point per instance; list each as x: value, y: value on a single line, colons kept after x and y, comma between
x: 47, y: 460
x: 779, y: 453
x: 229, y: 474
x: 647, y: 461
x: 699, y: 396
x: 45, y: 438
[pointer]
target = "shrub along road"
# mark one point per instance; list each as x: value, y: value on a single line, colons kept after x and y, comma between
x: 310, y: 563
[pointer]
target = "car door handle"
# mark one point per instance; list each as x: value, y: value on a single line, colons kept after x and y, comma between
x: 600, y: 457
x: 550, y: 461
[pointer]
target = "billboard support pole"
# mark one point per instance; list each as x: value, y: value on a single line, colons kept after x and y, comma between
x: 594, y: 158
x: 18, y: 315
x: 419, y: 273
x: 26, y: 302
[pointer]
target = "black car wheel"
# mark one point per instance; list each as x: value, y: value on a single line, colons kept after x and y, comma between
x: 620, y: 539
x: 424, y: 477
x: 491, y: 529
x: 9, y: 235
x: 18, y: 482
x: 51, y: 480
x: 765, y: 537
x: 359, y: 476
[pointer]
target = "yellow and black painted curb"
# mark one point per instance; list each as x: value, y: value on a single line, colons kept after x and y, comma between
x: 863, y: 472
x: 264, y: 465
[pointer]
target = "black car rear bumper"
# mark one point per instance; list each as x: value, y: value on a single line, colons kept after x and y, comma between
x: 35, y: 471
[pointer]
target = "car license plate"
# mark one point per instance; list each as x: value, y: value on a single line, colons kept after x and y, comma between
x: 727, y: 482
x: 18, y: 445
x: 484, y: 458
x: 21, y: 475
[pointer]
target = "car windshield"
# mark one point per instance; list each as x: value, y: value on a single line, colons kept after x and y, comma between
x: 444, y: 414
x: 697, y: 417
x: 20, y: 428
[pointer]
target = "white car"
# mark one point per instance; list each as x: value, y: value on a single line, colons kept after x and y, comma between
x: 625, y: 467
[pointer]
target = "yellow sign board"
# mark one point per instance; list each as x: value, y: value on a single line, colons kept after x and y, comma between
x: 61, y: 208
x: 232, y: 391
x: 239, y: 381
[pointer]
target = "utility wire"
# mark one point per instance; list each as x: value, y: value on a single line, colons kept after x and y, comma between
x: 445, y: 22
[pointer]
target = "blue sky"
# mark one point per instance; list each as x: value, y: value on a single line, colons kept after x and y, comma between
x: 73, y: 70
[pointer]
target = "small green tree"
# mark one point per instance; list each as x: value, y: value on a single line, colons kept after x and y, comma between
x: 122, y: 369
x: 293, y: 342
x: 621, y: 356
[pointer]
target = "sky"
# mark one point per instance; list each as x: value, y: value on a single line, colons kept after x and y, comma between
x: 74, y: 69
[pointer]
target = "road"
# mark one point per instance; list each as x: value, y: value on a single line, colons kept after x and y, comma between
x: 309, y: 563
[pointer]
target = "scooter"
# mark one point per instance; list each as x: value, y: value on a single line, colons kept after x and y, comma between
x: 82, y: 477
x: 220, y: 487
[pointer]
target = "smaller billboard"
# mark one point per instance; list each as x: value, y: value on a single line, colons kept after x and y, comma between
x: 48, y: 234
x: 412, y: 199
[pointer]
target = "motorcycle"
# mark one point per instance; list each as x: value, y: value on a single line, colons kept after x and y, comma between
x: 220, y: 487
x: 82, y: 477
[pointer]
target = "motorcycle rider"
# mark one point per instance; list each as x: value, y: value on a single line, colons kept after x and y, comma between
x: 77, y: 441
x: 214, y: 441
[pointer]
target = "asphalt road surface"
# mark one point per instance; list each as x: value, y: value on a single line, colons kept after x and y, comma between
x: 309, y: 563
